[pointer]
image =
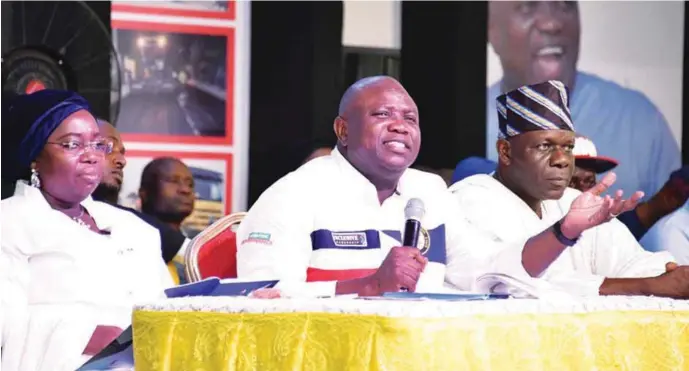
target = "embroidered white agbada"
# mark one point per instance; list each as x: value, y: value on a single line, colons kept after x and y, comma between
x: 60, y: 280
x: 608, y: 250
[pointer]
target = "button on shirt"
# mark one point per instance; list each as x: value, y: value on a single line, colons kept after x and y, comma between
x: 324, y: 222
x: 623, y: 124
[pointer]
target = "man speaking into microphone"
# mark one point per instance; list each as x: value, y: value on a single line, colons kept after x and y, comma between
x: 336, y: 224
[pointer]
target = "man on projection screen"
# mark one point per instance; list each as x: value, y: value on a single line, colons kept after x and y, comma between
x: 539, y: 41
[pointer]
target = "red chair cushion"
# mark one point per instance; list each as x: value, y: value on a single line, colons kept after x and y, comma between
x: 218, y: 256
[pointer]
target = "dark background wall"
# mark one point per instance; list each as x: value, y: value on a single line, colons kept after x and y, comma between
x: 296, y: 63
x: 685, y: 90
x: 443, y: 66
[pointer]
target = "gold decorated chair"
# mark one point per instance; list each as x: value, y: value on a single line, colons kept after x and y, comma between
x: 172, y: 268
x: 213, y: 252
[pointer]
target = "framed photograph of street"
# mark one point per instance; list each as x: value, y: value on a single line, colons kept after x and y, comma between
x: 202, y: 9
x: 177, y: 82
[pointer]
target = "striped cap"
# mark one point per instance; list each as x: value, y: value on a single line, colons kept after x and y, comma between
x: 543, y: 106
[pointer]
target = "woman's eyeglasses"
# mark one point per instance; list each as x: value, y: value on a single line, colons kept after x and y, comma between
x: 80, y: 147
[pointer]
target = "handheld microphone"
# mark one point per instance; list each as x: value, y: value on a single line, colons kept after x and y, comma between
x: 413, y: 213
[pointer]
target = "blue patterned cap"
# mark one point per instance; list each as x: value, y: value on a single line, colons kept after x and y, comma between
x: 543, y: 106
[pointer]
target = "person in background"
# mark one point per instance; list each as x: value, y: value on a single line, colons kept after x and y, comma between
x: 671, y: 196
x: 538, y: 41
x: 445, y: 174
x: 172, y: 241
x: 588, y: 164
x: 472, y: 166
x: 671, y: 234
x: 64, y: 294
x: 529, y: 192
x: 167, y: 191
x: 318, y: 152
x: 334, y: 225
x: 109, y: 188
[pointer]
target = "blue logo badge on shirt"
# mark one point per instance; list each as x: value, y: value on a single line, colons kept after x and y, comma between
x: 350, y: 239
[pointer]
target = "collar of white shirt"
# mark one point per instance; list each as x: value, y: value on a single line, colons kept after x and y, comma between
x: 358, y: 180
x: 103, y: 217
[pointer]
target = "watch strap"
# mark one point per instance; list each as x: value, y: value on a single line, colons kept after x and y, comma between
x: 557, y: 228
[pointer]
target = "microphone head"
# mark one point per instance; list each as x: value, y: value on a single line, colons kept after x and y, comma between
x: 414, y: 209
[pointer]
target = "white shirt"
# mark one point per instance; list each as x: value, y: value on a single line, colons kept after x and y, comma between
x: 324, y: 222
x: 60, y: 280
x: 608, y: 250
x: 671, y: 233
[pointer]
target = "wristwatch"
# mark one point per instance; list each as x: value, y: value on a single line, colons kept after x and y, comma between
x: 557, y: 230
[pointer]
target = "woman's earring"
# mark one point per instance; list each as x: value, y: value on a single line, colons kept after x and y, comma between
x: 35, y: 181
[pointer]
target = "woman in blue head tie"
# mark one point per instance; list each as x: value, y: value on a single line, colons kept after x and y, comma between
x: 72, y: 268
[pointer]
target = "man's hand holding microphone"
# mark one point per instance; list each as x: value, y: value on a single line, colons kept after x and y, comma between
x: 402, y: 267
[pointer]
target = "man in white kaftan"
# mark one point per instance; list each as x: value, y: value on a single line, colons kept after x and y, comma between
x: 529, y: 192
x: 608, y: 250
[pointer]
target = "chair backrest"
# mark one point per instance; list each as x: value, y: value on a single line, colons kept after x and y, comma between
x: 172, y: 268
x: 213, y: 252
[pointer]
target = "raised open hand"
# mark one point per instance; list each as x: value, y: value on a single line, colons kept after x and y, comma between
x: 591, y: 209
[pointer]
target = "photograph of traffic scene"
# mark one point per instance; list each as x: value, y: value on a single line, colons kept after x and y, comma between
x: 220, y: 6
x: 172, y: 83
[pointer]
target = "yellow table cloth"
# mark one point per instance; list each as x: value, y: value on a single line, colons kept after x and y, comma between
x: 197, y: 339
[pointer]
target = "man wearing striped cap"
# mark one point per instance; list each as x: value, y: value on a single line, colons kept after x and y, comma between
x: 529, y: 193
